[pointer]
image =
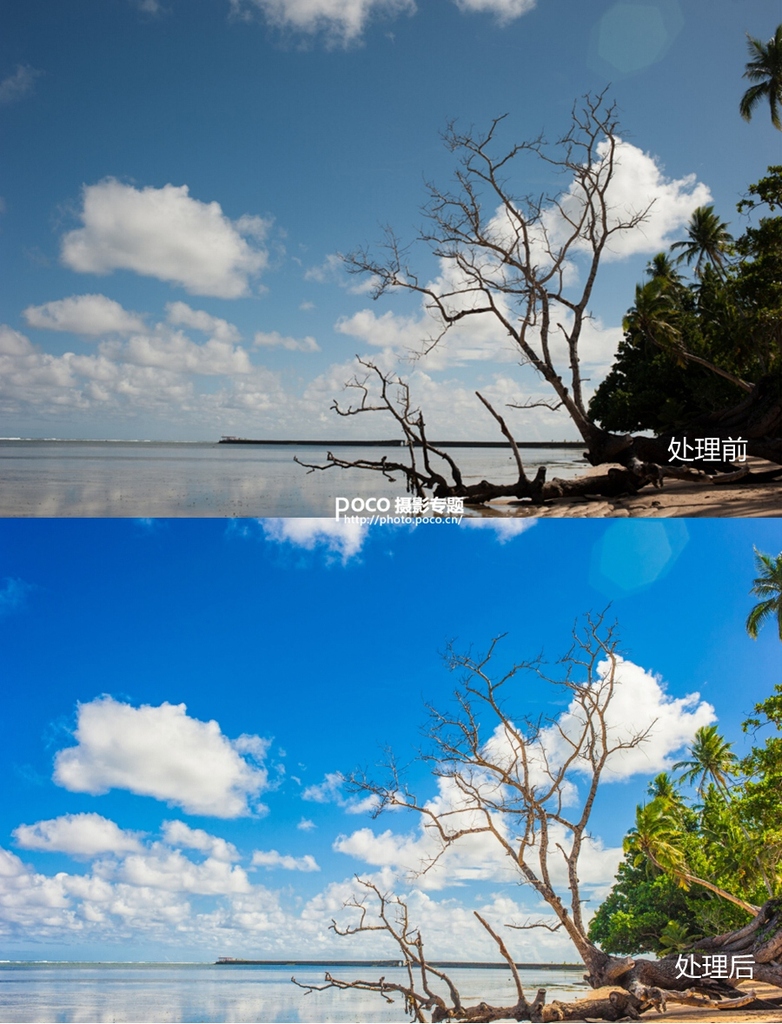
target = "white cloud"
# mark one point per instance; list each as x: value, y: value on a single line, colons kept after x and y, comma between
x: 336, y: 535
x: 330, y: 791
x: 639, y: 701
x: 18, y: 84
x: 84, y: 314
x: 180, y: 314
x: 163, y: 753
x: 273, y: 339
x: 305, y: 825
x: 172, y: 350
x: 503, y: 10
x: 331, y: 269
x: 177, y: 833
x: 12, y: 595
x: 173, y: 872
x: 341, y: 21
x: 164, y: 233
x: 505, y: 527
x: 638, y: 183
x: 81, y: 835
x: 272, y: 859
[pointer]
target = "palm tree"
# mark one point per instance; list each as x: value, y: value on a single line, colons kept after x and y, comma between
x: 664, y: 788
x: 653, y: 319
x: 767, y: 585
x: 657, y: 838
x: 764, y: 68
x: 707, y: 239
x: 663, y: 267
x: 710, y: 758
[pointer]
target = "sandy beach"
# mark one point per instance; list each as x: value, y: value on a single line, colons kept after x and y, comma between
x: 771, y: 1013
x: 677, y: 498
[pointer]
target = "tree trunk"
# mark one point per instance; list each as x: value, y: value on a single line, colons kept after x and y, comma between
x: 654, y: 981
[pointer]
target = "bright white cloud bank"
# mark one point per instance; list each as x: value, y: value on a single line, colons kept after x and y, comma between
x: 638, y: 185
x: 639, y: 703
x: 191, y: 889
x: 82, y: 835
x: 163, y: 753
x: 343, y: 21
x: 84, y: 314
x: 164, y: 233
x: 335, y: 535
x: 503, y: 10
x: 273, y: 859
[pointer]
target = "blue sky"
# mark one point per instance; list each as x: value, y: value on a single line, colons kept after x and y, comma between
x: 178, y: 178
x: 180, y: 697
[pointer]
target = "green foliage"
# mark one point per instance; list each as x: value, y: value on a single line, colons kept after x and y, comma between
x: 728, y: 835
x: 638, y: 910
x: 767, y: 585
x: 689, y: 347
x: 764, y: 68
x: 761, y: 797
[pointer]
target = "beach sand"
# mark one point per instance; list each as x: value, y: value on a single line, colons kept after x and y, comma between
x: 771, y: 1014
x: 677, y: 498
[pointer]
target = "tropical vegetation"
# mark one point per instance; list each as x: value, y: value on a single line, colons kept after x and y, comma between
x: 704, y: 342
x: 705, y: 852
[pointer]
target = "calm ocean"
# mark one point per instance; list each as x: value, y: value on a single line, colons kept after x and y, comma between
x: 153, y: 478
x: 87, y: 992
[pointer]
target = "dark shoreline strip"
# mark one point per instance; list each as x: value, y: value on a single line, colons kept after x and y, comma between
x: 461, y: 964
x: 399, y: 444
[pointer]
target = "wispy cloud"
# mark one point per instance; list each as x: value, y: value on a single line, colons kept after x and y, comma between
x: 18, y: 84
x: 13, y: 593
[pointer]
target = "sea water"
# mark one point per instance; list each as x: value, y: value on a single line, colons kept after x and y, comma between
x: 154, y: 479
x: 89, y: 992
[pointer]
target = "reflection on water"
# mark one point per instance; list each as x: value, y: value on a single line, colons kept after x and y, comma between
x: 201, y: 992
x: 133, y: 478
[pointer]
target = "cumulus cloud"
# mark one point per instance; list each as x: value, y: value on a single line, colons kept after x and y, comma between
x: 84, y: 314
x: 202, y: 908
x: 335, y: 535
x: 273, y: 339
x: 172, y: 871
x: 504, y: 11
x: 639, y: 703
x: 180, y: 314
x: 638, y: 184
x: 341, y: 21
x: 18, y: 84
x: 159, y: 751
x: 272, y: 859
x: 504, y: 528
x: 177, y: 833
x: 81, y: 835
x: 172, y: 350
x: 331, y: 791
x: 164, y: 233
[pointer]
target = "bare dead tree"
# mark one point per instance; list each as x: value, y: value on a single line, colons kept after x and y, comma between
x: 529, y: 788
x: 509, y: 257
